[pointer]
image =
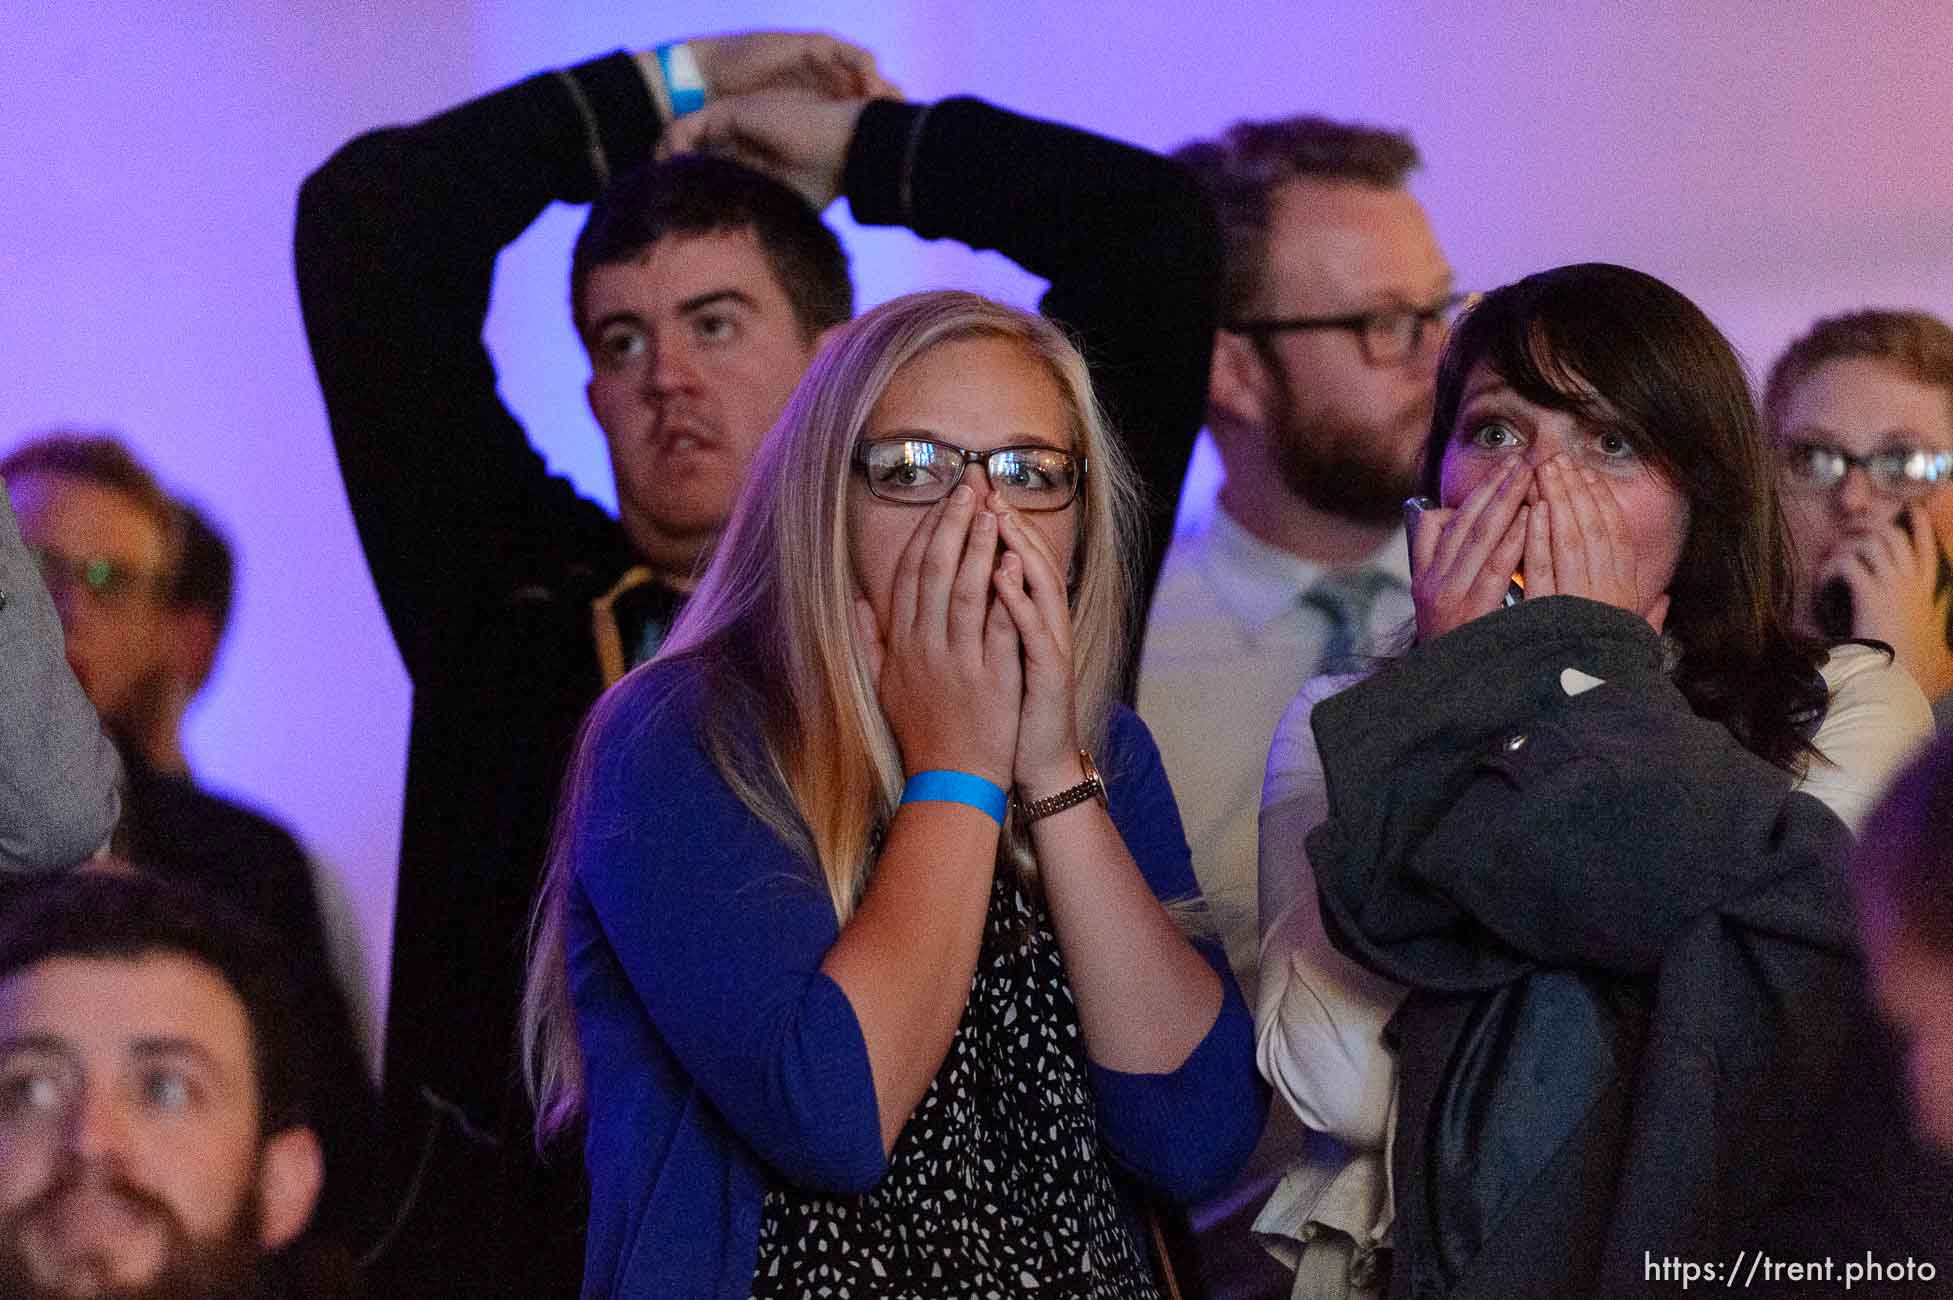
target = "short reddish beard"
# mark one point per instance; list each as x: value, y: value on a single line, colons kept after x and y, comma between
x: 1338, y: 469
x: 230, y: 1266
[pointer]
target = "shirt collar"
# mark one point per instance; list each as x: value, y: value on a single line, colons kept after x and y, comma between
x: 1257, y: 583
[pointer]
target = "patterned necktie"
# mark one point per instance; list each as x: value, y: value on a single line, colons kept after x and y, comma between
x: 1345, y: 600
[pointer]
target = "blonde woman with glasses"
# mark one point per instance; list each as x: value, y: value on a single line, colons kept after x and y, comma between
x: 858, y: 954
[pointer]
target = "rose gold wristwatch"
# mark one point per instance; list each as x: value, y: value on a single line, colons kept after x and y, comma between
x: 1092, y: 787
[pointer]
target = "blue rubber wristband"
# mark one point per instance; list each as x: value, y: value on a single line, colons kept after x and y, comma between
x: 957, y: 787
x: 683, y: 81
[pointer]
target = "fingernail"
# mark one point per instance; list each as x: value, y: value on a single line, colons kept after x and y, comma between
x: 963, y: 494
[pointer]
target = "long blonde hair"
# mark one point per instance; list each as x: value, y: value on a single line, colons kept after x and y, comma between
x: 771, y: 628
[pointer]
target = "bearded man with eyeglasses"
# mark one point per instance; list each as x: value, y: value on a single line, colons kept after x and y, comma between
x: 1334, y: 306
x: 1860, y: 412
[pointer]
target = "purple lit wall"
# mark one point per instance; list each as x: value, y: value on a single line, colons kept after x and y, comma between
x: 1773, y: 161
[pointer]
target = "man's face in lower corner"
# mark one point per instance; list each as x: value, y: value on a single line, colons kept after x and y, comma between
x: 694, y: 349
x: 131, y: 1162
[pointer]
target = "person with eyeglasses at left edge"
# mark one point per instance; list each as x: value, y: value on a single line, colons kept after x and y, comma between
x: 59, y: 776
x: 113, y: 549
x: 1860, y: 413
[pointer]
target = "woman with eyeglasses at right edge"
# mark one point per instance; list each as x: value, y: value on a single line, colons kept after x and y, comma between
x: 1557, y: 962
x: 1860, y: 414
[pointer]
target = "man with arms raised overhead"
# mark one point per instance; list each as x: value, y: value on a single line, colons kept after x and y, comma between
x: 700, y: 289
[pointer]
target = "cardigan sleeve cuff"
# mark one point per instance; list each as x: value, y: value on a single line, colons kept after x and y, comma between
x: 1185, y: 1133
x: 881, y: 155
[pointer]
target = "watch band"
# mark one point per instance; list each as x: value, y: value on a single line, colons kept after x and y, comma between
x: 1092, y: 787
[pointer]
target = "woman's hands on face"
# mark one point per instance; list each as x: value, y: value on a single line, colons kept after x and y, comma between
x: 948, y: 668
x: 1462, y: 559
x: 1892, y: 571
x: 1558, y: 524
x: 1577, y: 543
x: 1031, y: 590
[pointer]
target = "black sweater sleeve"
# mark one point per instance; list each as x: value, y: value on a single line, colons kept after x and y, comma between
x: 1127, y: 239
x: 397, y: 237
x: 395, y: 247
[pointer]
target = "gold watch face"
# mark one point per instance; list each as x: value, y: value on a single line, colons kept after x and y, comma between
x: 1093, y: 778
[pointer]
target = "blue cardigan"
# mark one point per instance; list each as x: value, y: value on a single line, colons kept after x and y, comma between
x: 719, y: 1058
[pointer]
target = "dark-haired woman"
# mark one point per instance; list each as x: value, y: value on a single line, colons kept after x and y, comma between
x: 1568, y: 861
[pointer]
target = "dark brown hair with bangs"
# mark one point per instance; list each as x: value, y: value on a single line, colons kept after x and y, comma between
x: 1564, y: 337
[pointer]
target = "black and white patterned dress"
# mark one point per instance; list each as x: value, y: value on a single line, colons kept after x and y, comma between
x: 998, y: 1185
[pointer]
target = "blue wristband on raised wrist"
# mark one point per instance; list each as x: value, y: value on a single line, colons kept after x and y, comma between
x: 945, y: 786
x: 683, y: 80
